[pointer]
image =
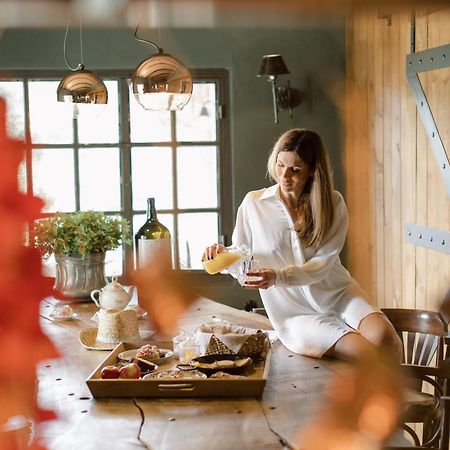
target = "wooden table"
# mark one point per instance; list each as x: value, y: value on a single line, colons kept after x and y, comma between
x: 292, y: 394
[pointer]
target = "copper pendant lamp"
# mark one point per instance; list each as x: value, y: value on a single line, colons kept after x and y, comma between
x: 81, y: 88
x: 161, y: 82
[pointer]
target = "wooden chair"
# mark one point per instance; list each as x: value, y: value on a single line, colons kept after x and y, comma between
x: 422, y: 334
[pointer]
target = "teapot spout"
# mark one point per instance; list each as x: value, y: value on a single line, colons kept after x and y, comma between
x: 130, y: 292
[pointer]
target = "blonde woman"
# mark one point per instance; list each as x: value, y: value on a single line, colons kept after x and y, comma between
x: 296, y: 230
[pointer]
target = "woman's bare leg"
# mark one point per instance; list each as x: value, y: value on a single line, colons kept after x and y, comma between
x: 352, y: 347
x: 378, y: 330
x: 375, y: 331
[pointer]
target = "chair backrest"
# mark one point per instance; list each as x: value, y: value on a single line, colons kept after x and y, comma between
x: 445, y: 307
x: 421, y: 332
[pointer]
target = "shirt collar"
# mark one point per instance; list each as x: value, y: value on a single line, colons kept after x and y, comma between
x: 270, y: 192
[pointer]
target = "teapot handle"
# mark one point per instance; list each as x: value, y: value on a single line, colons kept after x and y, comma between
x: 93, y: 296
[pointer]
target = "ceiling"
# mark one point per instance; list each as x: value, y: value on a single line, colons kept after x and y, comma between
x: 189, y: 13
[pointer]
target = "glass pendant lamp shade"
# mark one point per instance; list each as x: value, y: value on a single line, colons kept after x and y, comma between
x: 84, y: 93
x: 162, y: 83
x: 81, y: 91
x: 83, y: 87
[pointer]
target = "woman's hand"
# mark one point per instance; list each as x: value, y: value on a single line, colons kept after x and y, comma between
x: 261, y: 279
x: 211, y: 251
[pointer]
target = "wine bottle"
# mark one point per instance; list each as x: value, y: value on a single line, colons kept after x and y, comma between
x: 152, y: 239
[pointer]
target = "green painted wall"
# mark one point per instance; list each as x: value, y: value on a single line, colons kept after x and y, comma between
x: 315, y: 52
x: 318, y: 53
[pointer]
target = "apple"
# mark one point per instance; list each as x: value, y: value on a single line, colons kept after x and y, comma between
x: 109, y: 372
x: 131, y: 370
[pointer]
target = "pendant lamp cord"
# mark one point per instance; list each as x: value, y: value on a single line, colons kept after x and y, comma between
x: 158, y: 49
x: 80, y: 65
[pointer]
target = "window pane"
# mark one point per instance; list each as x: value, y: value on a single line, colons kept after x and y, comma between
x: 152, y: 176
x: 50, y: 120
x: 113, y: 262
x: 148, y: 126
x: 196, y: 232
x: 197, y: 177
x: 197, y: 120
x: 99, y: 179
x: 53, y: 178
x: 12, y: 92
x: 104, y: 126
x: 22, y: 177
x: 49, y: 266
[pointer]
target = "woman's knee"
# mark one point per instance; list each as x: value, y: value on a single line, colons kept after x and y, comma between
x: 351, y: 347
x: 377, y: 329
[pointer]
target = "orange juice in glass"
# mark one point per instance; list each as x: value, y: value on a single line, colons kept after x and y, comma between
x: 223, y: 260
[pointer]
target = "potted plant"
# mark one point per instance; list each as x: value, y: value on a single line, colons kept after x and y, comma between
x: 79, y: 242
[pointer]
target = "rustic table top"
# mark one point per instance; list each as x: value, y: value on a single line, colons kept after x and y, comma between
x: 291, y: 396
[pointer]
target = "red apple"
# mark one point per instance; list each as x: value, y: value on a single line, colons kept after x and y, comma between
x: 109, y: 372
x: 131, y: 370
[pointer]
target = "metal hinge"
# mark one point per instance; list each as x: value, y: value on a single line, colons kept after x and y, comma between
x: 220, y: 111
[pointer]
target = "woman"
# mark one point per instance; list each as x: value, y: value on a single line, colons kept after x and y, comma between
x: 296, y: 230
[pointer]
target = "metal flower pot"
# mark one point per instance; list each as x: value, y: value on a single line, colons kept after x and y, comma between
x: 77, y: 276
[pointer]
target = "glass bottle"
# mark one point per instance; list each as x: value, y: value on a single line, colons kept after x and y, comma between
x: 228, y: 260
x: 152, y: 239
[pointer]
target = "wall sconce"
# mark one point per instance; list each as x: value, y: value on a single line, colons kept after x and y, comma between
x: 284, y: 97
x: 161, y: 82
x: 81, y: 88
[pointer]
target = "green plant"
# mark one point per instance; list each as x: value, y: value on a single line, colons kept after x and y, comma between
x: 80, y: 233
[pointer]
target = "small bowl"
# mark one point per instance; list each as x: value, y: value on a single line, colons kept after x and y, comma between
x: 211, y: 359
x: 63, y: 312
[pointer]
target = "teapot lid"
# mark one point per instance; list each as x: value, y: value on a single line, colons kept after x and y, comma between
x: 114, y: 286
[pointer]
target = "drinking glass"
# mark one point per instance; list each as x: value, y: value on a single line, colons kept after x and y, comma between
x: 248, y: 265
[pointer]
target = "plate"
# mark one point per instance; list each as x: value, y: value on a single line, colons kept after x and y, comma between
x: 88, y: 339
x: 131, y: 354
x: 141, y: 313
x: 217, y: 363
x: 62, y: 319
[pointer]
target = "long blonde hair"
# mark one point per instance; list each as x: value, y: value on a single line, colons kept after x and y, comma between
x: 316, y: 211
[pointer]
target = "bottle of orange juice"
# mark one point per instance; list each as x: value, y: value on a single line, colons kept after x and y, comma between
x: 225, y: 259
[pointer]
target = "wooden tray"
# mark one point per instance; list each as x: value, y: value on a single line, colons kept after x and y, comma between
x: 251, y: 386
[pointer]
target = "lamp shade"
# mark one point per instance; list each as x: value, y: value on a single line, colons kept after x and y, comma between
x: 162, y: 83
x: 83, y: 87
x: 272, y: 65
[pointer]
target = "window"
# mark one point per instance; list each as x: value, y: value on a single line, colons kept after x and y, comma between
x: 113, y: 161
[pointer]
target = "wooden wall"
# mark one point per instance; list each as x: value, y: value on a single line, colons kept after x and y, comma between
x: 392, y: 177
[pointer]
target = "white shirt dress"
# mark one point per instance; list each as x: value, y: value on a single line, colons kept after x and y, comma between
x: 315, y: 301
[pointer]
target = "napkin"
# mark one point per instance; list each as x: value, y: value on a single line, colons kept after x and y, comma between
x: 234, y: 337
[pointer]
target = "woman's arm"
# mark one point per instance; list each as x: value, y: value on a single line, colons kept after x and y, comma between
x: 242, y: 233
x: 320, y: 265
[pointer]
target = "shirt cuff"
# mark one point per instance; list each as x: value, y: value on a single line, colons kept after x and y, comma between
x: 280, y: 279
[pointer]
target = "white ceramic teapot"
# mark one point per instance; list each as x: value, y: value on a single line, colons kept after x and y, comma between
x: 112, y: 296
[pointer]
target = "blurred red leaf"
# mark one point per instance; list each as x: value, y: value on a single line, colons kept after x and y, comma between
x: 22, y: 287
x: 363, y: 403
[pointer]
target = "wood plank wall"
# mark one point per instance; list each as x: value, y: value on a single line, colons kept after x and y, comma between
x: 392, y: 177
